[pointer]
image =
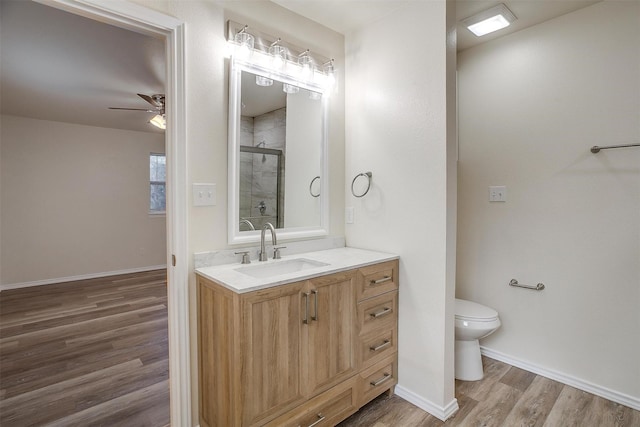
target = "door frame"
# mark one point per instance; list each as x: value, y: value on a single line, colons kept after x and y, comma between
x: 140, y: 19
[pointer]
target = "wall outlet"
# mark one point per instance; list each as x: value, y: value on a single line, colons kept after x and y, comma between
x: 349, y: 215
x: 204, y: 194
x: 498, y: 193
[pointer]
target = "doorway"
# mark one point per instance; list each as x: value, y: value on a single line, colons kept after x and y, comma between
x: 142, y: 20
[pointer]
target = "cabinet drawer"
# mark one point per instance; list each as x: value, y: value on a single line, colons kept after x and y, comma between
x: 377, y: 379
x: 378, y: 313
x: 376, y: 346
x: 326, y: 409
x: 377, y: 279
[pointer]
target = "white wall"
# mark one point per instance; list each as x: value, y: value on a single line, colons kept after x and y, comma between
x: 207, y: 103
x: 75, y: 200
x: 396, y: 113
x: 531, y: 105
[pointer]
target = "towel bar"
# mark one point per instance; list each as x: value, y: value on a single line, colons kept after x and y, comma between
x: 538, y: 287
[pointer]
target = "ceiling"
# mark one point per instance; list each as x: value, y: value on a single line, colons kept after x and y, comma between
x: 63, y: 67
x: 58, y: 66
x: 345, y: 16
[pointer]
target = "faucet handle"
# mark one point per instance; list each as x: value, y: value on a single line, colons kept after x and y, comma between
x: 276, y: 251
x: 245, y: 257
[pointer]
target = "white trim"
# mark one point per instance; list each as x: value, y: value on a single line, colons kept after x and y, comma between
x: 442, y: 413
x: 598, y: 390
x: 8, y: 286
x: 147, y: 21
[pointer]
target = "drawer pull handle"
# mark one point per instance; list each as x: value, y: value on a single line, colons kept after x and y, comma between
x: 320, y: 419
x: 386, y: 343
x: 315, y: 302
x: 386, y: 310
x: 377, y: 282
x: 305, y: 319
x: 380, y: 381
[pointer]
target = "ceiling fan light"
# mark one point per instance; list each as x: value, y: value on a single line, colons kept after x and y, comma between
x: 159, y: 121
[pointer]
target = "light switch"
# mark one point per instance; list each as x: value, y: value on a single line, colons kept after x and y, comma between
x: 497, y: 193
x: 204, y: 194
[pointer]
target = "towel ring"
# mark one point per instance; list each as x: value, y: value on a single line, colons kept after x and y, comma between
x: 368, y: 175
x: 311, y: 185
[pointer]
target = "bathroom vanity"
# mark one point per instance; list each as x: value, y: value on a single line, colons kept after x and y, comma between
x: 301, y: 341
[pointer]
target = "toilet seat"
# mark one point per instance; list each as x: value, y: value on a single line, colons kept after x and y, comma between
x: 473, y: 312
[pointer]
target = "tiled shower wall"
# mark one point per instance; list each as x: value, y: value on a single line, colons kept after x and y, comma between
x: 258, y: 173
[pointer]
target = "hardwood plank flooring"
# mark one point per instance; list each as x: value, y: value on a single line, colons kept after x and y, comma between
x: 86, y: 353
x: 506, y: 396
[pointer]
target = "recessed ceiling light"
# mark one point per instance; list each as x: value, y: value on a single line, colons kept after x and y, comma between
x: 489, y: 20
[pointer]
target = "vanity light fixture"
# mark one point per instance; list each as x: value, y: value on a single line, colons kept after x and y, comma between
x: 159, y: 121
x: 278, y: 59
x: 304, y: 59
x: 263, y: 81
x: 330, y: 71
x: 490, y: 20
x: 245, y: 42
x: 278, y: 54
x: 287, y: 88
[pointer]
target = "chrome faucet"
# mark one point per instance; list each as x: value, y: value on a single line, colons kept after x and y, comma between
x: 274, y: 240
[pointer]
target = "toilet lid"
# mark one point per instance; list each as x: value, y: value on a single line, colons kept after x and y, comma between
x: 469, y: 310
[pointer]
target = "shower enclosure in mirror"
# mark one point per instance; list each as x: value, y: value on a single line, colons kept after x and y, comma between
x: 277, y: 149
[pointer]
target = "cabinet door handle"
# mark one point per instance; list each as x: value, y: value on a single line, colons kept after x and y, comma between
x: 315, y: 305
x: 381, y: 380
x: 377, y: 282
x: 320, y: 419
x: 386, y: 310
x: 385, y: 344
x: 305, y: 319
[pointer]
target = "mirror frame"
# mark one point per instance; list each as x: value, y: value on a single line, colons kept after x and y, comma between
x: 235, y: 236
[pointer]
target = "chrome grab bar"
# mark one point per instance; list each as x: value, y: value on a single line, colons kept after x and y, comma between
x: 385, y: 344
x: 538, y: 287
x: 381, y: 380
x: 386, y: 310
x: 596, y: 149
x: 377, y: 282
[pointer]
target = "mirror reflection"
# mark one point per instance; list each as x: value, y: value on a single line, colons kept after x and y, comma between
x: 280, y: 146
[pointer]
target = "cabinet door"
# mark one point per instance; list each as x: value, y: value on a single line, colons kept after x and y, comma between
x: 272, y: 321
x: 329, y: 338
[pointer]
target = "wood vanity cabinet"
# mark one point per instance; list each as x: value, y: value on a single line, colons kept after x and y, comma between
x: 300, y: 354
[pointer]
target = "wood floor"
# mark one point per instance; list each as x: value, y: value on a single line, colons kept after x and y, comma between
x: 506, y: 396
x: 86, y: 353
x: 94, y: 353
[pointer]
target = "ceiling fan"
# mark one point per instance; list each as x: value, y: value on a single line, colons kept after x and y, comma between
x: 157, y: 102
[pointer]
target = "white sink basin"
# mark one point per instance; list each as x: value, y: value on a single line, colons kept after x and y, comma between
x: 277, y: 268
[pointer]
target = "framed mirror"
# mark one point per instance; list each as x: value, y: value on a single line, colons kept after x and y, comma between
x: 278, y: 171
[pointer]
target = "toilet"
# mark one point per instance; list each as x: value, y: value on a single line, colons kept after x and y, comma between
x: 473, y: 321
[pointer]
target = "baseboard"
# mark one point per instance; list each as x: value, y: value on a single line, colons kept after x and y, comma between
x: 614, y: 396
x: 80, y: 277
x: 441, y: 412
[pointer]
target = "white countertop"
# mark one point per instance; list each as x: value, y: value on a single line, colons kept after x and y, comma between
x: 340, y: 259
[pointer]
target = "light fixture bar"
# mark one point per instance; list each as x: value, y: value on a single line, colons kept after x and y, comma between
x: 264, y: 41
x: 490, y: 20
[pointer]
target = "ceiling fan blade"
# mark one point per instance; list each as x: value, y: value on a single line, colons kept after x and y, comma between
x: 149, y: 99
x: 133, y: 109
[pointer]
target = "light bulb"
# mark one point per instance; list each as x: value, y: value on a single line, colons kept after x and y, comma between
x: 263, y: 81
x: 287, y: 88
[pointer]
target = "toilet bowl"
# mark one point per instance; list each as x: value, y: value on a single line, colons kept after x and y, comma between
x: 473, y: 321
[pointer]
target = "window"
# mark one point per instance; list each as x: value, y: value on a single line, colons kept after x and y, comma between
x: 157, y: 183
